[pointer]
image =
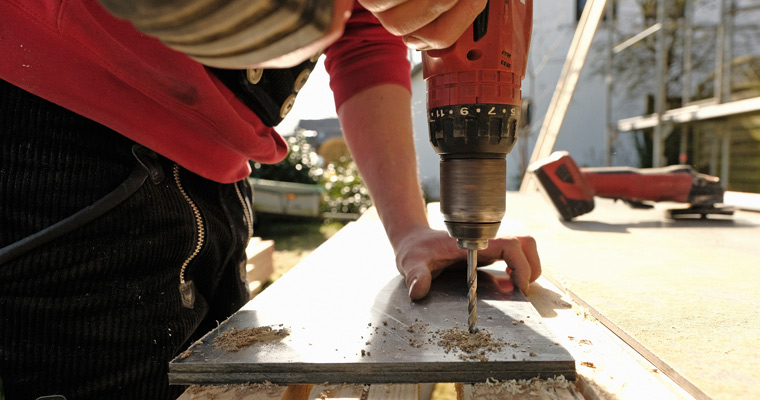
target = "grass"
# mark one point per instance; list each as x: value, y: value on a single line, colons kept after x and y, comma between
x: 294, y: 238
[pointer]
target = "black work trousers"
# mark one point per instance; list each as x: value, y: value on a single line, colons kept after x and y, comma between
x: 97, y: 236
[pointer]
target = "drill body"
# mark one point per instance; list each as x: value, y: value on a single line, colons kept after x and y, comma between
x: 473, y: 110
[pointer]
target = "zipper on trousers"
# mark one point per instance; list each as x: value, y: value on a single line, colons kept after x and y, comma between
x: 248, y: 216
x: 246, y: 212
x: 186, y: 289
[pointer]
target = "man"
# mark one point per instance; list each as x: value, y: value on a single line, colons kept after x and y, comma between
x: 123, y: 198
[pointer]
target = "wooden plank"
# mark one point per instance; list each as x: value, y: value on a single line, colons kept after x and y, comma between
x: 686, y: 291
x: 607, y: 368
x: 297, y: 392
x: 260, y: 264
x: 744, y: 201
x: 349, y: 319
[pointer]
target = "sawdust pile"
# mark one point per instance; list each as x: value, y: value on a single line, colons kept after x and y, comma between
x: 244, y: 390
x: 343, y: 390
x: 236, y: 339
x: 187, y: 353
x: 474, y: 346
x: 543, y: 388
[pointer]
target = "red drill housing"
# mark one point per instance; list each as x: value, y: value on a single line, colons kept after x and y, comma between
x: 487, y: 63
x: 473, y: 101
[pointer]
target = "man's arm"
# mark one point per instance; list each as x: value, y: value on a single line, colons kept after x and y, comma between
x: 377, y: 125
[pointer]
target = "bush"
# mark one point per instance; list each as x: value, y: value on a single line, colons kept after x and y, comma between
x: 344, y: 190
x: 300, y: 166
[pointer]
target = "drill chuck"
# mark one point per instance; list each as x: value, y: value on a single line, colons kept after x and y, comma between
x: 473, y: 192
x: 473, y: 141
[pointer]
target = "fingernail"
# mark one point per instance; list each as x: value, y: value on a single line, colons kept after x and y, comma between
x: 416, y: 43
x: 414, y: 282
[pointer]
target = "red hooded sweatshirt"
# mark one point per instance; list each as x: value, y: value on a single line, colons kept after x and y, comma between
x: 77, y: 55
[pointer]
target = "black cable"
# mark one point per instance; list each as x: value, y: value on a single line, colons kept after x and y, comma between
x: 80, y: 218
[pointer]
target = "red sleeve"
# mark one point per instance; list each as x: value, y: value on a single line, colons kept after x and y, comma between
x: 366, y: 55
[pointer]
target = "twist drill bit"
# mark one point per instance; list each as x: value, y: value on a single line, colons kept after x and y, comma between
x: 472, y: 283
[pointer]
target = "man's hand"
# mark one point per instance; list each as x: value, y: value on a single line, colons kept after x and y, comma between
x: 426, y: 24
x: 426, y: 252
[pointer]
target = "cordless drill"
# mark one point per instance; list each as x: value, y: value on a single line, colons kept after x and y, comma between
x: 473, y: 109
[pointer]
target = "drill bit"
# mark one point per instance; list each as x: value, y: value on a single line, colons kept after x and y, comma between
x: 472, y: 283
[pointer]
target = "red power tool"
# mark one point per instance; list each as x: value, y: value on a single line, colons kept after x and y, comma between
x: 473, y: 105
x: 572, y: 189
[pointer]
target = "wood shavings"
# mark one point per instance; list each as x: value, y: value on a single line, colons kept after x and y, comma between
x: 474, y: 346
x: 339, y: 391
x: 187, y: 353
x: 236, y: 339
x: 238, y: 390
x: 534, y: 386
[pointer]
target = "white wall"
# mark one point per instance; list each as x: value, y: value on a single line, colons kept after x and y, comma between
x: 427, y: 159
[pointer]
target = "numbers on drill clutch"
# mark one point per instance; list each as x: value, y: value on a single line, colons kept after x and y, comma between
x: 465, y: 110
x: 473, y: 124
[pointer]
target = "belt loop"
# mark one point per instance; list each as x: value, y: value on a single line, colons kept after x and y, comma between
x: 149, y: 159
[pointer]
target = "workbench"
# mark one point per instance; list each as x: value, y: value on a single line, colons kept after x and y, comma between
x: 633, y: 270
